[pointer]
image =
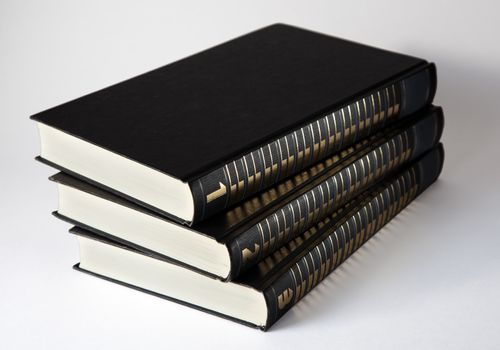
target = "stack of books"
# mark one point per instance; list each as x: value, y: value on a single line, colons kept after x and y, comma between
x: 235, y: 180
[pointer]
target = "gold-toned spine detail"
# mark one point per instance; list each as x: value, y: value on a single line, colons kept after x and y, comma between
x: 329, y: 137
x: 354, y: 125
x: 370, y: 115
x: 378, y: 161
x: 390, y: 106
x: 361, y: 124
x: 376, y: 111
x: 314, y: 205
x: 396, y: 102
x: 392, y: 199
x: 334, y: 255
x: 337, y: 132
x: 315, y: 143
x: 285, y: 298
x: 248, y: 254
x: 381, y: 108
x: 289, y: 160
x: 346, y: 130
x: 272, y: 166
x: 248, y: 175
x: 240, y: 181
x: 348, y: 234
x: 221, y: 191
x: 340, y: 250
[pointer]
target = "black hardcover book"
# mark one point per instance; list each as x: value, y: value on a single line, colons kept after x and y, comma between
x: 267, y: 291
x: 232, y: 242
x: 198, y: 136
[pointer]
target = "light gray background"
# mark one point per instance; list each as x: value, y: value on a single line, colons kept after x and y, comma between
x: 430, y: 279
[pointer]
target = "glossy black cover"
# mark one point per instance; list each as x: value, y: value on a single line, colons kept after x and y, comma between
x: 302, y: 147
x: 190, y: 116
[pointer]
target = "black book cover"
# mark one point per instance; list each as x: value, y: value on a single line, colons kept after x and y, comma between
x: 288, y: 275
x: 265, y: 223
x: 189, y: 118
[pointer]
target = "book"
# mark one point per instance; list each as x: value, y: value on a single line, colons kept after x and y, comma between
x: 264, y: 294
x: 196, y: 137
x: 233, y: 242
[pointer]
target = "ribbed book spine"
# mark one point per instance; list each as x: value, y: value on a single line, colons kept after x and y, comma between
x: 268, y: 235
x: 338, y: 242
x: 304, y: 146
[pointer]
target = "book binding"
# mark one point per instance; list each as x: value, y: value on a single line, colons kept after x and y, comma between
x: 302, y: 147
x: 342, y: 239
x: 293, y: 218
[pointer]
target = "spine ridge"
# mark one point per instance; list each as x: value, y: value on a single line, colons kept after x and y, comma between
x: 341, y: 240
x: 286, y: 155
x: 301, y: 213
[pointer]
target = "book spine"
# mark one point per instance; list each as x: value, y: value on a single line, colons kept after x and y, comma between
x: 338, y: 242
x: 304, y: 146
x: 299, y: 214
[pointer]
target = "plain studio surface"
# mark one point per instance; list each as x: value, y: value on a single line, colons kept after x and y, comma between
x: 429, y: 279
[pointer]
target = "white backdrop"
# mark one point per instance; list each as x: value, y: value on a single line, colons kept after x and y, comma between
x: 430, y: 279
